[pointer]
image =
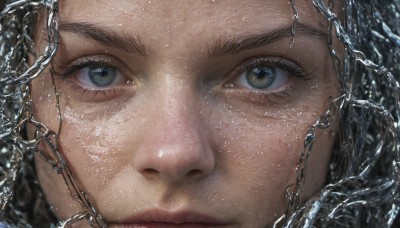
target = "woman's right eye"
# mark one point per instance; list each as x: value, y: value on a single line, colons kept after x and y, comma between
x: 98, y: 77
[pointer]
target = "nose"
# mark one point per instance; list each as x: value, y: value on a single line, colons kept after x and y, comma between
x: 175, y: 145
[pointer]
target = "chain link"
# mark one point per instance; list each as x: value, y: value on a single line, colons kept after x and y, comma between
x: 363, y: 185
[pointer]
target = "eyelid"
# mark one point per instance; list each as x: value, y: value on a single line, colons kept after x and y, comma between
x: 97, y: 60
x: 67, y: 72
x: 272, y: 61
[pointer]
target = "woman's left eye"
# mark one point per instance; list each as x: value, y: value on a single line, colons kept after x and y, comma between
x: 99, y: 76
x: 265, y: 78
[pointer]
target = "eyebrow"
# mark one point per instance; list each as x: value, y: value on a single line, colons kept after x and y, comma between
x: 107, y: 37
x: 219, y: 48
x: 236, y: 45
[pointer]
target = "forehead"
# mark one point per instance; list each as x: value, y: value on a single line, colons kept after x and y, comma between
x: 188, y: 16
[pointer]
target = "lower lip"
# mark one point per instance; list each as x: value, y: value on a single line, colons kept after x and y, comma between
x: 166, y: 225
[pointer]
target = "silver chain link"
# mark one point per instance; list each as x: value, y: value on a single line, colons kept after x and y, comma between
x: 363, y: 186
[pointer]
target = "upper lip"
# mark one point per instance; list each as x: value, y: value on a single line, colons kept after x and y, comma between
x: 174, y: 217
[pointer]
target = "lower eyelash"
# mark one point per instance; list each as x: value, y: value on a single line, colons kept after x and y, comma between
x: 267, y: 98
x: 98, y: 94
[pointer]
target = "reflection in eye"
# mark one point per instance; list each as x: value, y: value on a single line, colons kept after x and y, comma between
x: 98, y: 76
x: 263, y: 78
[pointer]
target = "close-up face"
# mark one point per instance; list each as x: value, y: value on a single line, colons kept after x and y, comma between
x: 185, y: 112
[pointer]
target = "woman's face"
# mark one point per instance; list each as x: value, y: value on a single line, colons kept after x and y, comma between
x: 186, y: 111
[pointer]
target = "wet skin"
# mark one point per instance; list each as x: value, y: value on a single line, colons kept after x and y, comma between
x: 186, y: 106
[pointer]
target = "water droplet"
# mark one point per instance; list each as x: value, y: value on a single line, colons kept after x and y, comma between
x: 235, y: 12
x: 229, y: 85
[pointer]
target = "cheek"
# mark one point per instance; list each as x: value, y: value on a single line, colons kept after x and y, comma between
x: 260, y: 167
x: 97, y: 147
x: 260, y: 159
x: 266, y: 151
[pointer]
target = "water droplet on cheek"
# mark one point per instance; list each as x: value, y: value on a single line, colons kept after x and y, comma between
x: 235, y: 12
x: 229, y: 85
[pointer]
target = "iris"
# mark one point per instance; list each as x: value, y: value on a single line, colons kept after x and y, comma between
x: 102, y: 76
x: 261, y: 77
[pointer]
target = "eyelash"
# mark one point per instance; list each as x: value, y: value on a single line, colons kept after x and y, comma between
x: 267, y: 97
x: 254, y: 96
x: 293, y: 68
x: 84, y: 62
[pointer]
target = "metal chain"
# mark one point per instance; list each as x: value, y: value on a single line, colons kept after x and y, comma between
x: 363, y: 186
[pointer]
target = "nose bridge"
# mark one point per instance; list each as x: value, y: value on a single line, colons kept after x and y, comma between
x: 176, y: 113
x: 175, y: 145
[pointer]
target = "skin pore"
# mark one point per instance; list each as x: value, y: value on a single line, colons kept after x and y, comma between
x: 171, y: 109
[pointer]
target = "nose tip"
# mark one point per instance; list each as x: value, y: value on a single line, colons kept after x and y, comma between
x: 174, y: 145
x: 175, y: 163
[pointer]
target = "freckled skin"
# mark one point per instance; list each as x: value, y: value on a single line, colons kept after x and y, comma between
x: 177, y: 138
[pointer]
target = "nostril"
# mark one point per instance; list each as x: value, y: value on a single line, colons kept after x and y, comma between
x: 194, y: 172
x: 149, y: 172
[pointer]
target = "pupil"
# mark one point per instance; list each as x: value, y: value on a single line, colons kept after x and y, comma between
x: 261, y: 77
x: 102, y: 76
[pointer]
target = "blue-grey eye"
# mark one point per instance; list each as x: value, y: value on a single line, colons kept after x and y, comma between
x: 261, y: 77
x: 264, y: 78
x: 99, y: 76
x: 102, y: 76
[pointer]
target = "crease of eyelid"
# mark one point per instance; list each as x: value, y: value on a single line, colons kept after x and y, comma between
x: 234, y: 46
x: 66, y: 69
x: 122, y: 41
